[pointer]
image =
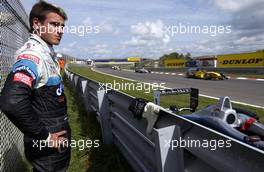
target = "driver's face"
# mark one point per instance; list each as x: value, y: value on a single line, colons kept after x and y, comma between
x: 51, y: 29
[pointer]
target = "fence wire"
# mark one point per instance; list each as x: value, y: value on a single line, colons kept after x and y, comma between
x: 14, y: 31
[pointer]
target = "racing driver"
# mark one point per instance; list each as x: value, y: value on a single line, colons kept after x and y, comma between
x: 33, y: 98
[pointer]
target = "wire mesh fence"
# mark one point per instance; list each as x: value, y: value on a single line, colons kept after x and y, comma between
x: 14, y: 31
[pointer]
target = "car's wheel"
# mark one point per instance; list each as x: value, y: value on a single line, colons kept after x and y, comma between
x: 224, y: 77
x: 207, y: 76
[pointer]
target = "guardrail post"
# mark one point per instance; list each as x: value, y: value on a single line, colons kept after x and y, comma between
x: 168, y: 158
x: 75, y: 81
x: 104, y: 111
x: 71, y: 80
x: 86, y: 97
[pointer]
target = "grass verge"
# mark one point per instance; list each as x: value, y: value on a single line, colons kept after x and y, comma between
x: 165, y: 102
x: 105, y: 158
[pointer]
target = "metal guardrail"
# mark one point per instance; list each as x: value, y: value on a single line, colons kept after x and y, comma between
x: 155, y: 152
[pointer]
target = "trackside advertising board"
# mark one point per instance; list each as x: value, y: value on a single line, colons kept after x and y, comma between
x: 177, y: 63
x: 133, y: 59
x: 254, y: 59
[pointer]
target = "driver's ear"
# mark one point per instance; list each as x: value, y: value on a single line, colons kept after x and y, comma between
x: 36, y: 26
x: 36, y: 23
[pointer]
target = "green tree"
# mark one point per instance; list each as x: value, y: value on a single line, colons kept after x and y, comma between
x: 173, y: 55
x: 188, y: 56
x: 181, y: 56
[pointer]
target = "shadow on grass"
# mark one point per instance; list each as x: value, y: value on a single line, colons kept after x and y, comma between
x: 105, y: 158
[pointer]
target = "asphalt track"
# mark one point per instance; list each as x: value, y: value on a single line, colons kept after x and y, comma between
x: 246, y: 91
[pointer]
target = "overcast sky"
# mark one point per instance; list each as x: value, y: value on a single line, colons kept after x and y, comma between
x: 151, y: 28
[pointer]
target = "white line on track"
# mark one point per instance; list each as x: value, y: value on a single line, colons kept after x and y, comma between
x: 241, y: 78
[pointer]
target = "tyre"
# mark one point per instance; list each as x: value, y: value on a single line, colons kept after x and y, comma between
x: 207, y: 76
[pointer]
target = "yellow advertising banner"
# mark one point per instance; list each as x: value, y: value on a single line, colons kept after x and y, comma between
x: 133, y: 59
x: 177, y: 63
x: 254, y: 59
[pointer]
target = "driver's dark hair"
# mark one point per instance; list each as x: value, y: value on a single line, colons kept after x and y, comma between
x: 40, y: 11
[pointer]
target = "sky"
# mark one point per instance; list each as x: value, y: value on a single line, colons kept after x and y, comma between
x: 100, y: 29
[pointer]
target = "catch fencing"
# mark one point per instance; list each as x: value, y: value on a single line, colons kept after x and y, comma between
x: 157, y: 151
x: 14, y: 31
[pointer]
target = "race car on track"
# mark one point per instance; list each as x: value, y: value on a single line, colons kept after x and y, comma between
x: 116, y: 67
x: 203, y: 74
x: 142, y: 70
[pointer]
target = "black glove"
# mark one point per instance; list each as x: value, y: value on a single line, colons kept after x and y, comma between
x: 137, y: 107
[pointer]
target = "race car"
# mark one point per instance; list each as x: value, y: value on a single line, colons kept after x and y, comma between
x: 116, y: 68
x: 203, y: 74
x: 142, y: 70
x: 237, y: 123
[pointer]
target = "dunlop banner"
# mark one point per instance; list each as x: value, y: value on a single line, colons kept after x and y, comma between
x: 255, y: 59
x: 175, y: 63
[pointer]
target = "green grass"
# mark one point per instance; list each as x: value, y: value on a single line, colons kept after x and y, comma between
x: 165, y: 102
x: 105, y: 158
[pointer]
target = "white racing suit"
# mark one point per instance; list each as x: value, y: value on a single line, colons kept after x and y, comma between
x: 33, y: 99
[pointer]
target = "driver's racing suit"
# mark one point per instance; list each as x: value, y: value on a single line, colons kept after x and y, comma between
x: 33, y: 99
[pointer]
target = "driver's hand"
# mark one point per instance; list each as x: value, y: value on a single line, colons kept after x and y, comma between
x: 57, y: 139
